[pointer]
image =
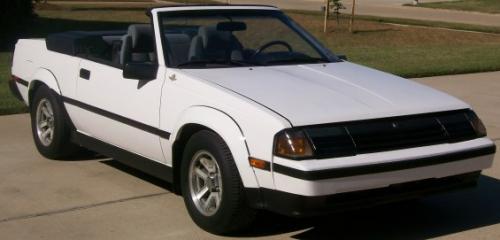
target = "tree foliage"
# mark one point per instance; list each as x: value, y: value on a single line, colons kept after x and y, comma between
x: 335, y: 7
x: 15, y: 15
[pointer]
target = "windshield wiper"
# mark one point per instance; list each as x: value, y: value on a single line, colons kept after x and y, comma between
x: 213, y: 61
x: 198, y: 62
x: 244, y: 63
x: 299, y: 60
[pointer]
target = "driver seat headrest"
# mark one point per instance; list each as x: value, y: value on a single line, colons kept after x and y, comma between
x: 138, y: 44
x: 142, y: 37
x: 214, y: 39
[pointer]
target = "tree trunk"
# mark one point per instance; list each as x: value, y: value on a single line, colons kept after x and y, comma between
x: 351, y: 23
x: 327, y: 14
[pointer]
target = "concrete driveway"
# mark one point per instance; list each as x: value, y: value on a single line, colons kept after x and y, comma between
x: 96, y: 198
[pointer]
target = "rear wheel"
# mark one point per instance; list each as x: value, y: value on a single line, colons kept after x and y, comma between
x: 211, y: 186
x: 50, y: 129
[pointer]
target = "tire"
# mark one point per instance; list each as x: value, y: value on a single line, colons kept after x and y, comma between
x: 46, y: 107
x: 232, y: 214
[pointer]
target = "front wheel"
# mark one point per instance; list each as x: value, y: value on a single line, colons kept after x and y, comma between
x: 211, y: 186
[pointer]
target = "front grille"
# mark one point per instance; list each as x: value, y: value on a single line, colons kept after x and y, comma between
x: 347, y: 139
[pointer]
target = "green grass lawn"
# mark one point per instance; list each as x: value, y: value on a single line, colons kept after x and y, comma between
x: 179, y: 1
x: 49, y: 1
x: 195, y: 1
x: 111, y: 5
x: 132, y: 1
x: 135, y: 1
x: 487, y: 6
x: 8, y: 104
x: 409, y: 51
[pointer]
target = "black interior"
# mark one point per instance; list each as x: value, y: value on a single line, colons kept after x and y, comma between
x: 184, y: 44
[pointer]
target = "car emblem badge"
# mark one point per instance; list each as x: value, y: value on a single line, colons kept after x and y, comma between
x: 394, y: 125
x: 173, y: 77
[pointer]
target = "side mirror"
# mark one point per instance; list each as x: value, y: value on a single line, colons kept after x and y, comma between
x: 342, y: 57
x: 140, y: 71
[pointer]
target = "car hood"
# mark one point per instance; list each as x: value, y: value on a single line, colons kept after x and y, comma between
x: 327, y: 93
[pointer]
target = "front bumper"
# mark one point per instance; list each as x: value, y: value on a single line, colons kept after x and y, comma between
x: 302, y: 206
x: 377, y: 170
x: 321, y: 186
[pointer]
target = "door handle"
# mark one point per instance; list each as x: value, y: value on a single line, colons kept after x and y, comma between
x: 84, y: 73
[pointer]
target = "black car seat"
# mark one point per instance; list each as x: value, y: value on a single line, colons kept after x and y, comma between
x: 138, y: 44
x: 178, y: 46
x: 211, y: 44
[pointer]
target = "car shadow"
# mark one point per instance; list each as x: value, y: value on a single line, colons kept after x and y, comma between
x: 426, y: 218
x: 138, y: 174
x: 83, y: 155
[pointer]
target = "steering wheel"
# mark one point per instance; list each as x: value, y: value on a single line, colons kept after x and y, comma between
x: 272, y: 43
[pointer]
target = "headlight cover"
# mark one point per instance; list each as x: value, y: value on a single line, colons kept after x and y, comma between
x: 477, y: 124
x: 292, y: 144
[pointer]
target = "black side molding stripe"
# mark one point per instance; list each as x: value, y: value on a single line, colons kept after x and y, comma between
x: 22, y: 82
x: 116, y: 117
x: 133, y: 160
x: 14, y: 89
x: 383, y: 167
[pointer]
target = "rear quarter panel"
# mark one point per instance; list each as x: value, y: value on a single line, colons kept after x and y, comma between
x: 33, y: 62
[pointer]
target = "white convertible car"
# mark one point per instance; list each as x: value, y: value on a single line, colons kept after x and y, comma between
x: 241, y: 109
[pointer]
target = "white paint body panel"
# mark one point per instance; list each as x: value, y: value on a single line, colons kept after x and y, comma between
x: 246, y: 107
x: 191, y: 100
x: 33, y: 62
x: 108, y: 90
x: 336, y: 92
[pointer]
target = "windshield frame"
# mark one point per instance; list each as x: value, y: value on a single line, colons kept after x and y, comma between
x: 278, y: 14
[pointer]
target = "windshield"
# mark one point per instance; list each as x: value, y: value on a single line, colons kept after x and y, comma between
x: 235, y: 38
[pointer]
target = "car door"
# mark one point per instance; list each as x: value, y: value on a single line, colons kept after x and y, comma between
x: 122, y: 112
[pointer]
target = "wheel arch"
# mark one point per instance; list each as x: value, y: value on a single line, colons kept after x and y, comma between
x: 199, y: 118
x: 42, y: 77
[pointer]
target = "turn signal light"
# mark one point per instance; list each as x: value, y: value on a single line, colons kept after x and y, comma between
x: 257, y: 163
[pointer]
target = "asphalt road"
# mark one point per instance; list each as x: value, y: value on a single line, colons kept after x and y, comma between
x: 96, y: 198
